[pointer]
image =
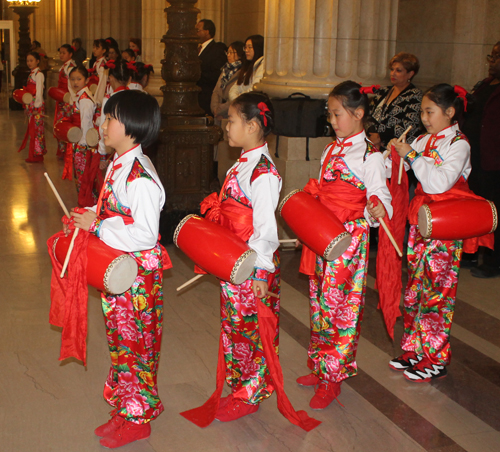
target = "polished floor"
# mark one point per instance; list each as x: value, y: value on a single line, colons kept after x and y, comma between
x: 47, y: 405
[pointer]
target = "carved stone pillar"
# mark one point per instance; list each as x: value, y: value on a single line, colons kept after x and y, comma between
x: 22, y: 71
x: 184, y: 159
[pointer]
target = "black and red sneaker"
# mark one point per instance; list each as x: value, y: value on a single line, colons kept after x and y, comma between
x: 425, y: 371
x: 404, y: 361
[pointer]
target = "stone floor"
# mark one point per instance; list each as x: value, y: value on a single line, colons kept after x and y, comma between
x: 47, y: 405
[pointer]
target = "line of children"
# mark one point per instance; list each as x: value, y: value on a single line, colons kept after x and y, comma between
x: 35, y: 111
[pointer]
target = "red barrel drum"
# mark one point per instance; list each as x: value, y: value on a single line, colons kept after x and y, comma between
x: 457, y: 219
x: 23, y: 96
x: 68, y: 129
x: 215, y: 249
x: 315, y: 225
x: 59, y: 95
x: 92, y: 83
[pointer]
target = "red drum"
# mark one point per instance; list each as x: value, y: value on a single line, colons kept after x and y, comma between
x: 457, y: 219
x: 108, y: 270
x: 215, y: 249
x: 315, y: 225
x: 59, y: 95
x: 92, y: 83
x: 23, y: 96
x: 92, y: 137
x: 68, y: 130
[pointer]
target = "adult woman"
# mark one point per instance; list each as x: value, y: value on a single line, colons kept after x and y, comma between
x: 397, y: 107
x: 228, y: 77
x: 252, y: 69
x: 136, y: 45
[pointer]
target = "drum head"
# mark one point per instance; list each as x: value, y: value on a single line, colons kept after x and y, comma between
x: 67, y: 98
x: 75, y: 135
x: 92, y: 137
x: 338, y: 246
x: 93, y: 88
x: 425, y: 221
x: 27, y: 98
x: 120, y: 275
x: 243, y: 268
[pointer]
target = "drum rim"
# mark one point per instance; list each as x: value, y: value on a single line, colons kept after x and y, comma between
x: 238, y: 263
x: 287, y: 197
x: 180, y: 225
x: 54, y: 249
x: 334, y: 242
x: 428, y: 214
x: 495, y: 216
x: 113, y: 263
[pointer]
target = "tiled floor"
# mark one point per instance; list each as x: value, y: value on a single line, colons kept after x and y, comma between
x: 46, y: 405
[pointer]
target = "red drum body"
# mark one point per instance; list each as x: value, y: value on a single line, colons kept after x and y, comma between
x: 108, y: 270
x: 23, y: 96
x: 59, y: 95
x: 92, y: 83
x: 92, y: 137
x: 315, y: 225
x: 69, y: 129
x: 215, y: 249
x: 457, y: 219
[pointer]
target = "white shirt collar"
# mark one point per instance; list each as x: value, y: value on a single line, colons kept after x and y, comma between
x: 204, y: 45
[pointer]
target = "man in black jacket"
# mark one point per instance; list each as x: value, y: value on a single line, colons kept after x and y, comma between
x: 212, y: 56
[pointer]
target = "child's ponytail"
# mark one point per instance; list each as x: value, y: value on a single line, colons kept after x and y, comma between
x: 446, y: 96
x: 258, y: 107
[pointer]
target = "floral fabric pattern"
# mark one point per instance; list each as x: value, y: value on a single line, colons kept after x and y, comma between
x: 79, y: 163
x: 336, y: 168
x: 337, y: 299
x: 433, y: 269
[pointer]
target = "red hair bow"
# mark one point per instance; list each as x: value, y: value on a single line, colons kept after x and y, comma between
x: 108, y: 41
x: 369, y: 89
x: 132, y: 66
x: 73, y: 47
x: 263, y: 109
x: 91, y: 70
x: 110, y: 64
x: 461, y: 92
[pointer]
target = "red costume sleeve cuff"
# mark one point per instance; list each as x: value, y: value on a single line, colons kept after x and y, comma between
x: 412, y: 156
x: 95, y: 227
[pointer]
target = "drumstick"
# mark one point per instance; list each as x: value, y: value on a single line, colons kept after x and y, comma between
x: 288, y: 241
x: 68, y: 254
x: 61, y: 202
x: 191, y: 281
x: 401, y: 163
x: 391, y: 238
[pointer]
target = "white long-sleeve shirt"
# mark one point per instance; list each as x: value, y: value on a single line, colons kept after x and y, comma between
x: 38, y: 78
x: 87, y: 108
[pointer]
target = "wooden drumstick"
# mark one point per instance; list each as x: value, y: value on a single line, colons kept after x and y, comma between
x: 391, y: 238
x: 288, y: 241
x: 401, y: 162
x: 61, y: 202
x: 191, y: 281
x: 68, y: 254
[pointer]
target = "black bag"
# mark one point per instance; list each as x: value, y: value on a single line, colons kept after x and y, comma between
x: 300, y: 116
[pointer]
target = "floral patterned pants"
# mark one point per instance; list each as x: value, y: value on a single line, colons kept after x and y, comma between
x: 337, y: 299
x: 79, y: 163
x: 433, y: 267
x: 134, y: 329
x: 63, y: 110
x: 246, y: 369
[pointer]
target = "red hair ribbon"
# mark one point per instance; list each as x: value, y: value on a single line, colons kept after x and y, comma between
x: 132, y: 66
x: 91, y: 70
x: 263, y: 108
x: 73, y: 47
x: 148, y: 66
x: 110, y: 64
x: 108, y: 41
x: 461, y: 92
x: 369, y: 89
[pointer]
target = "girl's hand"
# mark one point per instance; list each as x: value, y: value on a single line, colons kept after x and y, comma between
x: 377, y: 211
x: 402, y: 148
x: 103, y: 164
x: 66, y: 229
x: 297, y: 243
x: 259, y: 288
x: 83, y: 220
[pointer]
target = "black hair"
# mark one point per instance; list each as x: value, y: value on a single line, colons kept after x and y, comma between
x: 247, y: 67
x: 37, y: 43
x: 142, y: 71
x: 238, y: 48
x: 139, y: 112
x: 81, y: 69
x: 101, y: 43
x: 77, y: 40
x: 444, y: 96
x: 352, y: 98
x: 209, y: 26
x: 112, y: 42
x: 120, y: 71
x: 68, y: 48
x: 35, y: 55
x: 247, y: 106
x: 130, y: 52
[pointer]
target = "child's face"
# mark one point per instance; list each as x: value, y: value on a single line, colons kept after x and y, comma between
x: 113, y: 132
x: 343, y: 121
x: 77, y: 81
x: 237, y: 128
x: 32, y: 62
x: 64, y: 55
x: 112, y: 54
x: 97, y: 51
x: 433, y: 117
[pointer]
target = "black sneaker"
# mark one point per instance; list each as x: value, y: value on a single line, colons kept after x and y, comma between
x: 403, y: 362
x: 425, y: 371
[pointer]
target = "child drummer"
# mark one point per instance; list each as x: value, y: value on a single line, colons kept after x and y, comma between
x: 126, y: 217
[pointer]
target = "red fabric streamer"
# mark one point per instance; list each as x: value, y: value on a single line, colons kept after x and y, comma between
x: 131, y: 65
x: 91, y: 177
x: 91, y: 70
x: 369, y: 89
x: 462, y: 93
x: 263, y: 109
x: 389, y: 264
x: 68, y: 163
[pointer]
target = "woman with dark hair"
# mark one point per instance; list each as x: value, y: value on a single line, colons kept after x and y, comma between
x: 136, y: 45
x: 397, y: 107
x: 252, y: 69
x: 228, y: 77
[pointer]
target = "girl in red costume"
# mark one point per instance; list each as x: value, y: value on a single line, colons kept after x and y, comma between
x: 440, y: 160
x: 127, y: 217
x: 35, y: 112
x: 352, y: 171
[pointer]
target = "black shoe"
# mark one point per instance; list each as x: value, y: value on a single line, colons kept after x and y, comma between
x: 485, y: 271
x: 425, y: 371
x: 468, y: 260
x: 404, y: 361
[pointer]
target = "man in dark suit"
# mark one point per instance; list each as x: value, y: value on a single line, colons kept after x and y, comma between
x: 212, y: 56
